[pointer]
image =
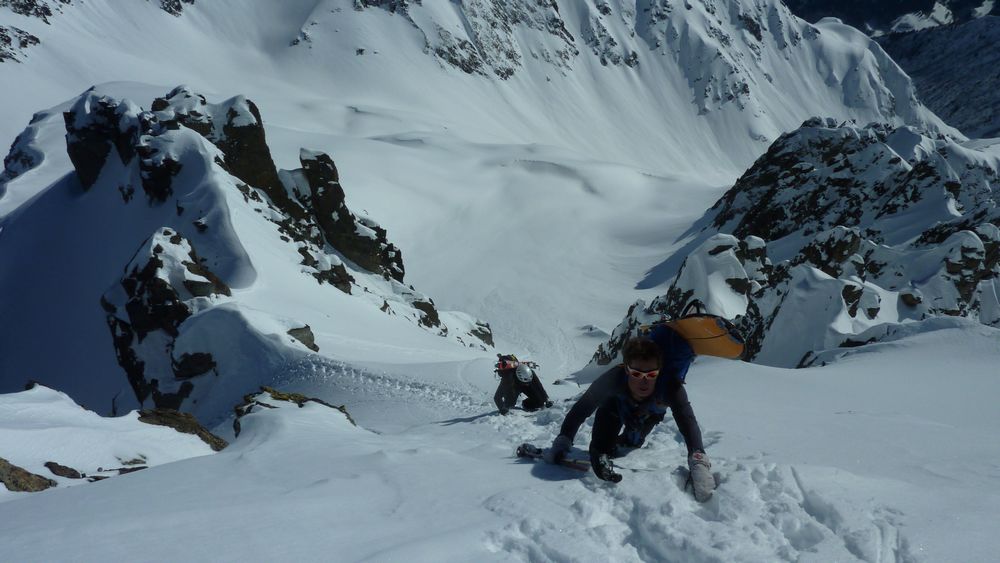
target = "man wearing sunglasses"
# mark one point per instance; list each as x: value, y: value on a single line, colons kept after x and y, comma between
x: 631, y: 399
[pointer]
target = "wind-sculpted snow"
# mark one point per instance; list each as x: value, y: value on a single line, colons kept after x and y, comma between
x: 867, y: 226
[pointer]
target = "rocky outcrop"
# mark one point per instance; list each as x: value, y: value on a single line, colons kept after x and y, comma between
x: 14, y: 42
x: 270, y: 398
x: 236, y: 128
x: 359, y: 239
x: 164, y: 285
x: 24, y: 153
x: 825, y: 174
x: 183, y: 423
x: 63, y: 471
x: 18, y: 480
x: 305, y: 336
x: 870, y: 226
x: 98, y: 125
x: 41, y: 9
x: 174, y: 7
x: 309, y: 197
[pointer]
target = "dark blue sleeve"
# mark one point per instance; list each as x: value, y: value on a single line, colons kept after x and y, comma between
x: 602, y: 389
x: 676, y: 354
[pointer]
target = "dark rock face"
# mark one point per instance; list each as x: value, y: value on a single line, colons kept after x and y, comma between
x: 240, y: 137
x: 41, y: 9
x: 483, y: 332
x: 63, y: 471
x: 430, y: 316
x: 14, y: 42
x: 174, y: 7
x: 18, y: 480
x: 97, y: 124
x: 270, y: 398
x: 183, y: 423
x: 305, y: 336
x: 360, y: 240
x: 24, y: 154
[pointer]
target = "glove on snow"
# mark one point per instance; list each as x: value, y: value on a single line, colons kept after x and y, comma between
x: 560, y: 447
x: 702, y: 479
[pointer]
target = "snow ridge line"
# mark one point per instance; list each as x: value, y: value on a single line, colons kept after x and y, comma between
x: 338, y: 374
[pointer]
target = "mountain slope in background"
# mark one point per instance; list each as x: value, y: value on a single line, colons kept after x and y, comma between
x: 565, y: 69
x: 880, y: 18
x: 956, y: 70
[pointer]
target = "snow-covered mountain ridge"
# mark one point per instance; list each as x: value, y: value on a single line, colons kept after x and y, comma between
x: 867, y: 227
x: 733, y: 74
x: 185, y: 187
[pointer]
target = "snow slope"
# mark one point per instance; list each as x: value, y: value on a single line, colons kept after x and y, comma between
x: 535, y: 202
x: 589, y: 167
x: 41, y: 426
x: 886, y: 456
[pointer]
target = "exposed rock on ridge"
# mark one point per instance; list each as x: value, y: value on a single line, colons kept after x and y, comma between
x: 169, y: 293
x: 872, y: 227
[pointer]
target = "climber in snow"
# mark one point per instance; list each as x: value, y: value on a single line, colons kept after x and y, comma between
x: 518, y: 377
x: 631, y: 399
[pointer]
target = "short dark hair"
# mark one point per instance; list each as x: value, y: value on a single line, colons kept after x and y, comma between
x: 640, y: 348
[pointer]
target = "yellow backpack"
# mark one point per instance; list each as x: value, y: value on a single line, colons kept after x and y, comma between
x: 708, y: 335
